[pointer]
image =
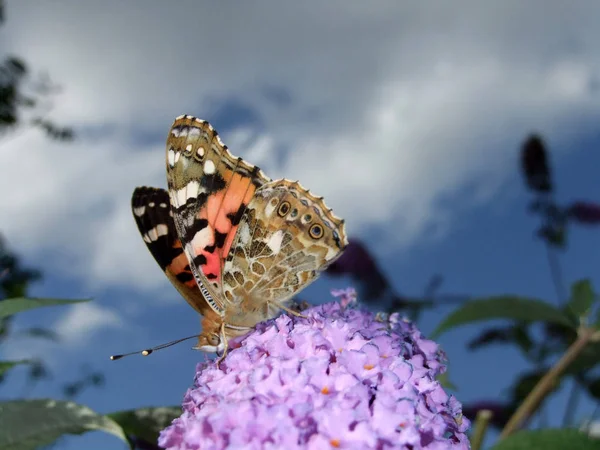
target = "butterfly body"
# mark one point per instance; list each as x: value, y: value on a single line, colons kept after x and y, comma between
x: 236, y: 244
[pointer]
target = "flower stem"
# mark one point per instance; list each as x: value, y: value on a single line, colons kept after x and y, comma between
x: 546, y: 384
x: 481, y: 423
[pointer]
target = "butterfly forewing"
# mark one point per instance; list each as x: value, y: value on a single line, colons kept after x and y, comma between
x: 209, y: 191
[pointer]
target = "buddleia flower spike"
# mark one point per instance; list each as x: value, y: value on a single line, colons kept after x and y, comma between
x: 340, y: 378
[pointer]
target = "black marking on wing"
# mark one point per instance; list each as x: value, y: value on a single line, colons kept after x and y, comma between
x: 163, y: 249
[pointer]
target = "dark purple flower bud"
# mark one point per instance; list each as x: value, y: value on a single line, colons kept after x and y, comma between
x: 585, y: 213
x: 535, y: 166
x: 357, y: 262
x: 501, y: 412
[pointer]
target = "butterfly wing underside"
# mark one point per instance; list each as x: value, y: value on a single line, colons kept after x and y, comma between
x: 209, y: 190
x: 286, y: 238
x: 151, y: 210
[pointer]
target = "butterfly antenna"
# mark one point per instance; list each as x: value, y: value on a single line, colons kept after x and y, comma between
x: 149, y: 351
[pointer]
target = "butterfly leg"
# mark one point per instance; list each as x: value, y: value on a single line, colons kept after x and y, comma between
x: 225, y: 346
x: 288, y: 310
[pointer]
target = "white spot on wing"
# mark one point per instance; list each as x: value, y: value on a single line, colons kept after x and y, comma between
x: 171, y: 157
x: 200, y: 240
x: 244, y: 231
x: 139, y: 211
x: 156, y: 232
x: 209, y: 167
x: 188, y: 147
x: 274, y: 242
x: 270, y: 208
x: 191, y: 190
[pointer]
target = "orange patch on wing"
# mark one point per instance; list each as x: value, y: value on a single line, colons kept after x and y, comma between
x: 180, y: 264
x: 229, y: 241
x: 212, y: 266
x: 218, y: 205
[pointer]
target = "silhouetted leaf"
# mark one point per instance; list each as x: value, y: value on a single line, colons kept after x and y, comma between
x: 13, y: 68
x: 525, y: 383
x: 38, y: 332
x: 587, y: 359
x: 11, y: 306
x: 53, y: 131
x: 502, y: 307
x: 38, y: 371
x: 582, y: 298
x: 71, y: 390
x: 31, y: 424
x: 96, y: 379
x: 593, y: 388
x: 554, y: 235
x: 549, y: 439
x: 584, y: 213
x: 5, y: 366
x: 146, y: 423
x: 517, y: 334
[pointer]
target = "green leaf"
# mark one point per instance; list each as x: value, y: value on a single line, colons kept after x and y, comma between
x: 146, y: 423
x: 525, y: 383
x: 11, y: 306
x: 31, y: 424
x: 593, y: 387
x: 503, y: 307
x: 549, y: 439
x: 582, y: 298
x: 5, y: 366
x: 588, y: 359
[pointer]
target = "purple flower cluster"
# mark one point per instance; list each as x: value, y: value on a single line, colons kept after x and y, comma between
x: 341, y: 378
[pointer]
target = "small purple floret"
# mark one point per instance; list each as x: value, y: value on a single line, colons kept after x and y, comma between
x: 342, y: 378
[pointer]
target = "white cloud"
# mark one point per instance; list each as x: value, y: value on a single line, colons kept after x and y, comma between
x: 393, y: 108
x: 83, y: 320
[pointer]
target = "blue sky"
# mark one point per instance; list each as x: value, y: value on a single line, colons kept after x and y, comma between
x: 406, y: 118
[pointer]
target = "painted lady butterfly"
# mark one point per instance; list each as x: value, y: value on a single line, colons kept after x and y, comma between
x: 236, y: 244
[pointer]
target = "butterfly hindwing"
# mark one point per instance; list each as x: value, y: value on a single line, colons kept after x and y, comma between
x: 286, y: 237
x: 152, y: 213
x: 209, y: 191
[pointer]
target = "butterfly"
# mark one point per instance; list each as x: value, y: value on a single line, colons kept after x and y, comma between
x: 236, y: 244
